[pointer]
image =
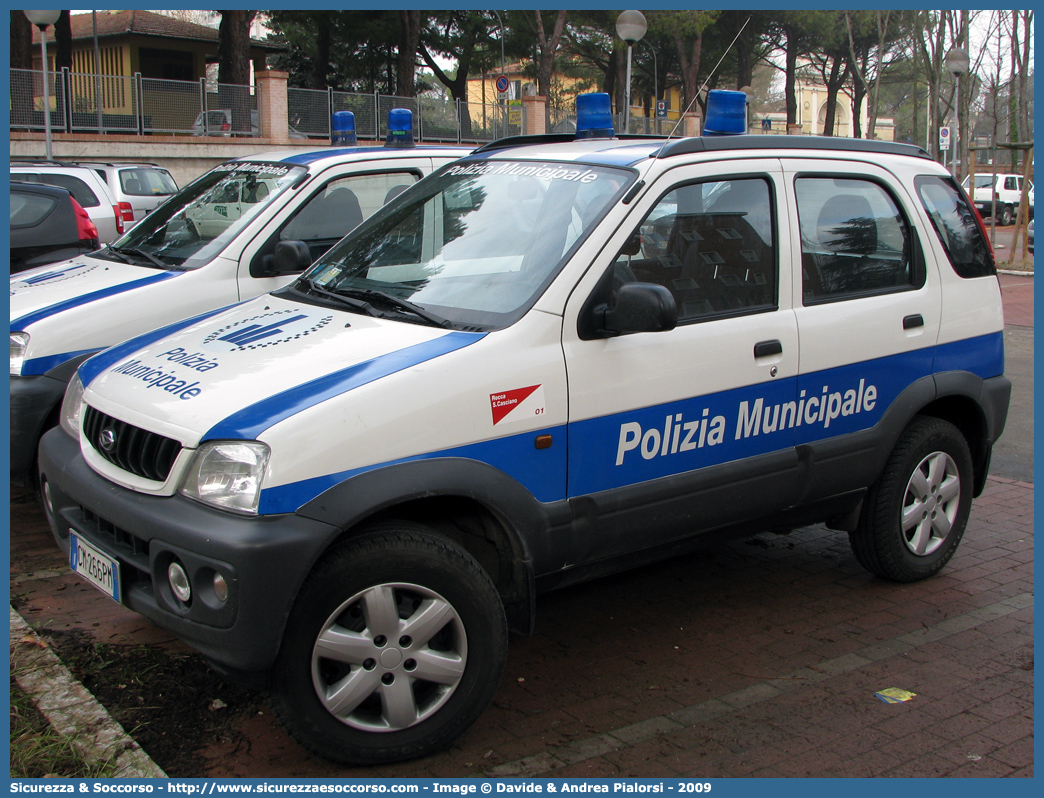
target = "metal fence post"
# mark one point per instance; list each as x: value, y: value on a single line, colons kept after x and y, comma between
x: 329, y: 111
x: 203, y: 101
x: 66, y: 99
x: 139, y: 103
x: 376, y: 116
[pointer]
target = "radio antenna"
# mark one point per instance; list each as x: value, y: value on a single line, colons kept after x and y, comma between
x: 700, y: 90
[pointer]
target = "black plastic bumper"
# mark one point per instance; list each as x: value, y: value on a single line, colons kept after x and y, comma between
x: 263, y: 560
x: 33, y: 399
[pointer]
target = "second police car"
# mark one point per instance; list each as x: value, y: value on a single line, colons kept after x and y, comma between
x: 244, y: 228
x: 552, y: 360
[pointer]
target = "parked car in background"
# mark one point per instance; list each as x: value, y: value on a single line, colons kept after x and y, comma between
x: 1029, y: 236
x: 218, y: 122
x: 194, y: 254
x: 87, y: 188
x: 137, y: 187
x: 47, y: 225
x: 1007, y: 192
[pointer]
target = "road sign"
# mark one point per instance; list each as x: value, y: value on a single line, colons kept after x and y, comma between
x: 502, y: 84
x: 944, y: 137
x: 661, y: 109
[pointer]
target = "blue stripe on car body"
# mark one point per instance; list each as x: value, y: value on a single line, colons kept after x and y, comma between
x: 110, y: 357
x: 41, y: 365
x: 594, y: 445
x: 254, y: 419
x: 22, y: 322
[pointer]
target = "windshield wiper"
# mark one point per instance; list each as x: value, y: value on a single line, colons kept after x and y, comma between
x: 118, y: 253
x: 340, y: 299
x: 398, y: 303
x: 141, y: 254
x: 360, y: 299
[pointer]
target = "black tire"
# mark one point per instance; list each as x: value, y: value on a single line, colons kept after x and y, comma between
x: 391, y: 575
x: 1004, y: 215
x: 904, y: 536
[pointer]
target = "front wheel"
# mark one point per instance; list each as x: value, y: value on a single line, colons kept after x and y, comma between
x: 394, y: 647
x: 1004, y: 215
x: 915, y: 515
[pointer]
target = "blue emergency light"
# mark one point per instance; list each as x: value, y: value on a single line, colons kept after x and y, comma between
x: 342, y: 128
x: 594, y: 116
x: 726, y: 113
x: 400, y: 128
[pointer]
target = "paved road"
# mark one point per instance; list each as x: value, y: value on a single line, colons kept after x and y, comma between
x: 1013, y: 454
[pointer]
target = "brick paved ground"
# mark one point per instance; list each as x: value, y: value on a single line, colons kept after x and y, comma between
x: 753, y: 658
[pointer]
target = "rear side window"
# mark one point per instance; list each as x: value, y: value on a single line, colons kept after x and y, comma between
x: 146, y: 182
x: 954, y: 221
x: 854, y: 240
x: 81, y: 192
x: 29, y: 209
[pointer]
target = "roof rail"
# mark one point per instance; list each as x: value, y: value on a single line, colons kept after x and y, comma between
x: 554, y: 138
x: 781, y: 142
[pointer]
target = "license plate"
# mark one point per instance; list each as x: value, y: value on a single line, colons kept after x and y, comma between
x: 98, y: 568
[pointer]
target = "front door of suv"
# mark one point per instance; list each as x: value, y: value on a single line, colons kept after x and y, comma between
x: 674, y: 432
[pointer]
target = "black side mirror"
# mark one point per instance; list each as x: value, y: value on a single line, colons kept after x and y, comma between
x: 290, y: 257
x: 641, y: 307
x: 633, y: 245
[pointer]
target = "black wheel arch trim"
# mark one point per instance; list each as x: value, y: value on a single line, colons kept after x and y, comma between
x: 520, y: 516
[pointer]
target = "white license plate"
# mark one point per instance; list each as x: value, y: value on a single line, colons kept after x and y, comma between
x: 98, y: 568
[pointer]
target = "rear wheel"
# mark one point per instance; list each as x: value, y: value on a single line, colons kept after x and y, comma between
x: 916, y: 513
x: 1004, y: 215
x: 394, y: 647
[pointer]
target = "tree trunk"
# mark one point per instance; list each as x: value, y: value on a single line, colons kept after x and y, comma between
x: 234, y: 67
x: 406, y: 66
x: 21, y: 41
x: 547, y: 51
x: 790, y: 88
x: 322, y: 50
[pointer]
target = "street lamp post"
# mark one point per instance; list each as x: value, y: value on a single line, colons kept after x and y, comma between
x: 631, y: 27
x: 42, y: 19
x: 502, y: 70
x: 957, y: 62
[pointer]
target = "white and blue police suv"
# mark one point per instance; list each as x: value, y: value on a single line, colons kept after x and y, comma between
x: 242, y: 229
x: 549, y: 360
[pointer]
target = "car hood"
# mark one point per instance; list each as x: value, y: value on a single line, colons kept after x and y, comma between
x: 234, y: 373
x: 46, y: 290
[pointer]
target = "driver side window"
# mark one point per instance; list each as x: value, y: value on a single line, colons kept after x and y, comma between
x: 711, y: 245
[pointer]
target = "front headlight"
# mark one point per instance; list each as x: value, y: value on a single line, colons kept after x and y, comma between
x: 19, y: 341
x: 72, y: 408
x: 227, y: 475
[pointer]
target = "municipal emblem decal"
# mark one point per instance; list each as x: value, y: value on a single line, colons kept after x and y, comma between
x: 266, y: 329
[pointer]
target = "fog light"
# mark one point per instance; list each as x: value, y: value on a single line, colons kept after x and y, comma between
x: 179, y: 582
x: 220, y: 587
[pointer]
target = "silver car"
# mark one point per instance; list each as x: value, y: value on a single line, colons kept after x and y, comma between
x: 137, y: 187
x: 87, y: 188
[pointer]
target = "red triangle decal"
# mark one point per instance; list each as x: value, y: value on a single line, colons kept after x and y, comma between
x: 503, y: 403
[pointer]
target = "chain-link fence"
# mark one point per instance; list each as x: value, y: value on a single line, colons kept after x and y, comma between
x: 87, y: 103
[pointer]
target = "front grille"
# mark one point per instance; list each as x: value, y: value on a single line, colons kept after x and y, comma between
x: 138, y: 451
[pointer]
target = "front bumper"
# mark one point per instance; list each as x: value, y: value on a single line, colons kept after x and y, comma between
x: 264, y: 560
x: 33, y: 400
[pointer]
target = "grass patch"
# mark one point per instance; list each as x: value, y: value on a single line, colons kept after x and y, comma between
x: 37, y: 750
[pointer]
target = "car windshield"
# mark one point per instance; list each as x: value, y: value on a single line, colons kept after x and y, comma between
x: 192, y: 227
x: 981, y: 181
x: 475, y: 244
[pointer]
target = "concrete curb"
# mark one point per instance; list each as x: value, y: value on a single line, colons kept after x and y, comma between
x: 70, y: 708
x: 1015, y: 272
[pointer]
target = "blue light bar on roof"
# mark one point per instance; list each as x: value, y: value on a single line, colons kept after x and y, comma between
x: 594, y: 116
x: 726, y: 113
x: 400, y: 128
x: 342, y: 128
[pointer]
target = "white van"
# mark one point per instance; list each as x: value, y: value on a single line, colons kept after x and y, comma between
x: 552, y: 360
x: 242, y: 229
